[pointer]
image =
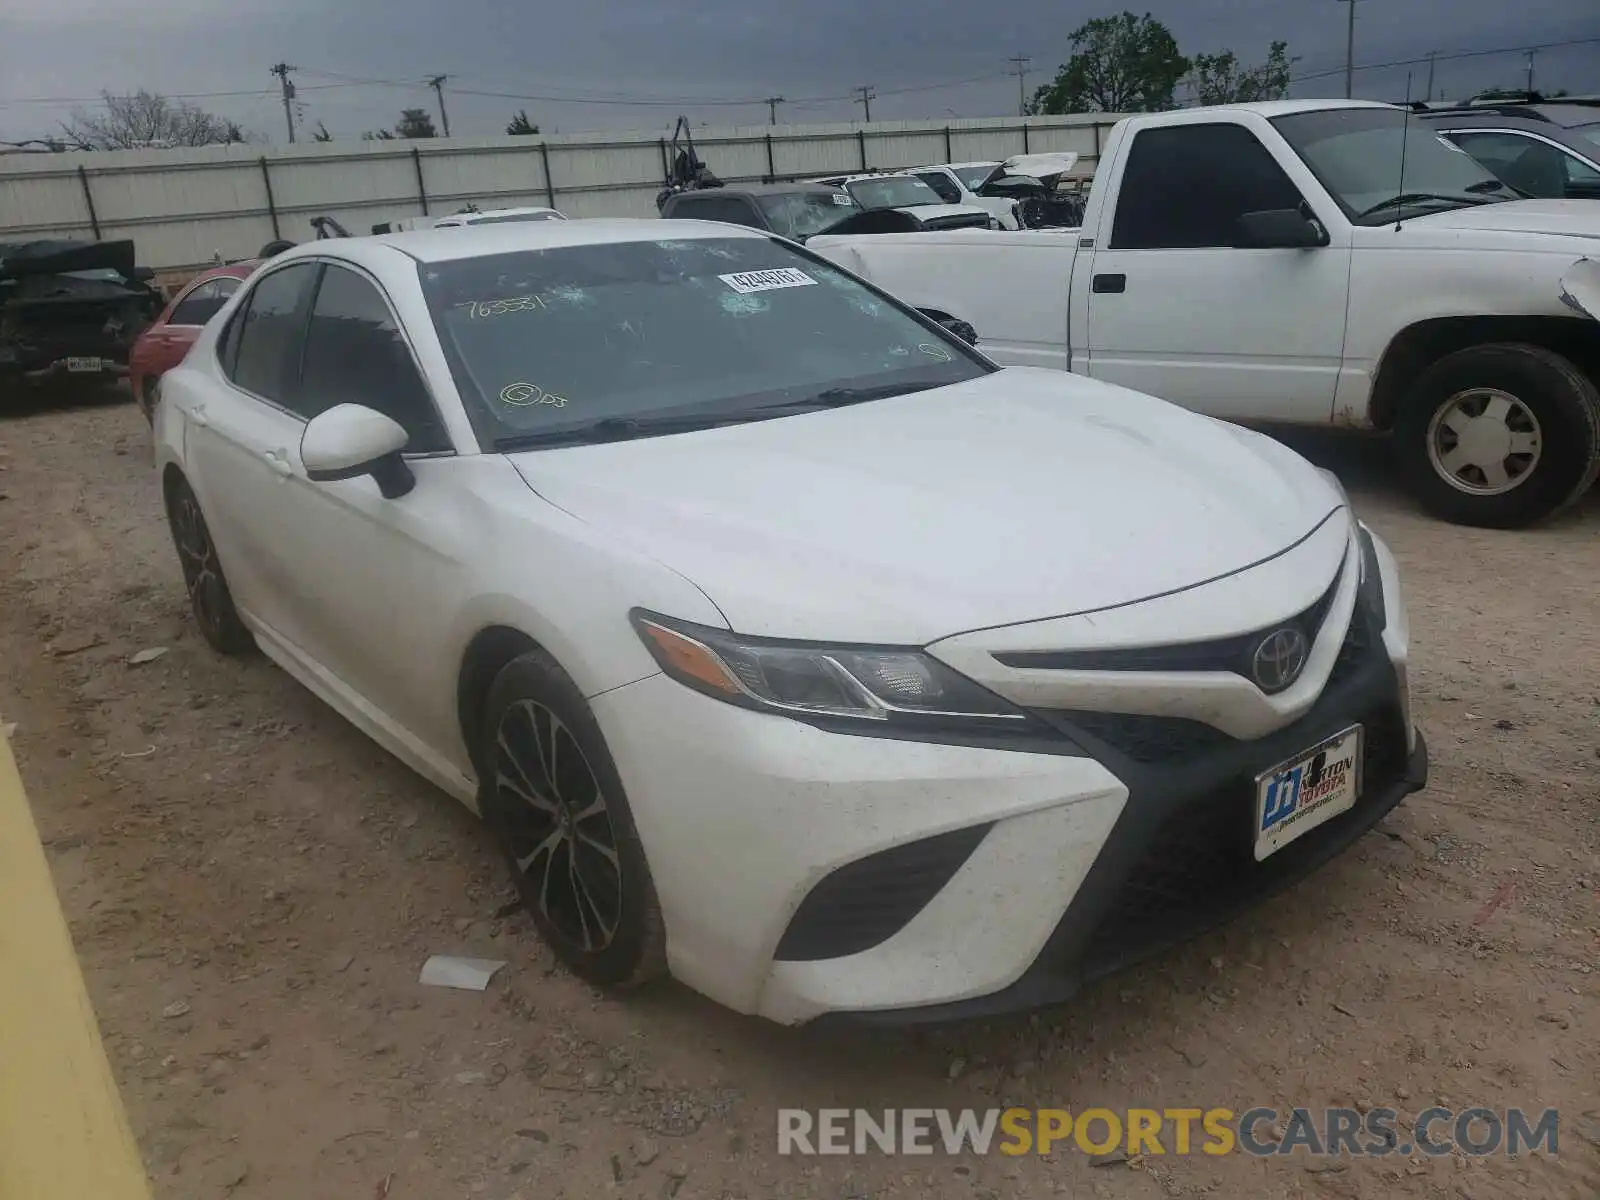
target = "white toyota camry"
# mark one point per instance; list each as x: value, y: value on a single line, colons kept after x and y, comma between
x: 786, y: 643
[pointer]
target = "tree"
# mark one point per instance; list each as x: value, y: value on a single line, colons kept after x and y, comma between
x: 321, y: 134
x: 1119, y: 64
x: 415, y: 123
x: 147, y: 119
x: 1219, y: 79
x: 520, y: 125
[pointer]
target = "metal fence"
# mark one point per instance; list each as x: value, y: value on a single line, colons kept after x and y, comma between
x: 183, y: 207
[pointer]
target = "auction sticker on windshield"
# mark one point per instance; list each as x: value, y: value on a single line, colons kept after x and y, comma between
x: 746, y: 282
x: 1295, y: 797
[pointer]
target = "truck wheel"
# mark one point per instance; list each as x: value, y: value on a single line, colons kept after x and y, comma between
x: 1500, y: 436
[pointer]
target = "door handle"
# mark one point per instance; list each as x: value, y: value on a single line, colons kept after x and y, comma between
x: 197, y: 414
x: 1103, y: 284
x: 277, y: 460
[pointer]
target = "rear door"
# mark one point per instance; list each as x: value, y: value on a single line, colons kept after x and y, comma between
x: 1176, y: 310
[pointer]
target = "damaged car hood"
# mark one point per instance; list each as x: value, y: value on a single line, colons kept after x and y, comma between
x: 1015, y: 496
x: 19, y: 260
x: 1046, y: 168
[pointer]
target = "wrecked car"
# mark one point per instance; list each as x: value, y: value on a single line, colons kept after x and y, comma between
x: 796, y: 211
x: 1025, y: 191
x: 71, y: 309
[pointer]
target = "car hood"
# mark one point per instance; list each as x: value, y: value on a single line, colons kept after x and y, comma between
x: 1046, y: 168
x: 1016, y: 496
x: 929, y: 212
x: 1555, y: 218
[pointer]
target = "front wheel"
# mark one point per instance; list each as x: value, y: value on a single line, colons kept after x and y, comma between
x: 1500, y: 436
x: 552, y: 797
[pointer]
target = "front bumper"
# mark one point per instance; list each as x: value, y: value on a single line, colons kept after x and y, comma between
x: 806, y: 875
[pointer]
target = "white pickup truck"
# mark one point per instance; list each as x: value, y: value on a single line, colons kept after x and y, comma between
x: 1308, y: 262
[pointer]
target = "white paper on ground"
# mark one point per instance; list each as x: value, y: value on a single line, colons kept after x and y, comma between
x: 453, y: 971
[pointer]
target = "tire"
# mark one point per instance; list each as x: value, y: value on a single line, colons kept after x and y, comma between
x: 145, y: 397
x: 1526, y: 413
x: 209, y: 597
x: 610, y: 932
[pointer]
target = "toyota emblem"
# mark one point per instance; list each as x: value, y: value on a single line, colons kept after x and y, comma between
x: 1279, y: 658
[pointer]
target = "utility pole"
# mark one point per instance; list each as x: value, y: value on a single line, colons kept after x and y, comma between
x: 1432, y: 54
x: 1531, y: 53
x: 1350, y: 52
x: 436, y: 82
x: 281, y: 70
x: 772, y: 103
x: 1021, y: 62
x: 865, y: 94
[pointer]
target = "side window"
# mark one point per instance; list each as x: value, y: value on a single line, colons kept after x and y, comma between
x: 941, y: 183
x: 716, y: 208
x: 1526, y: 163
x: 270, y: 335
x: 1186, y: 185
x: 356, y: 354
x: 198, y: 307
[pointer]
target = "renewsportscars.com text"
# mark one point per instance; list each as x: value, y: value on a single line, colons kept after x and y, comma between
x: 1151, y: 1131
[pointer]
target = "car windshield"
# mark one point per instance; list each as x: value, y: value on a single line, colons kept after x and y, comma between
x: 972, y: 178
x: 800, y: 214
x: 1357, y: 154
x: 541, y: 341
x: 892, y: 191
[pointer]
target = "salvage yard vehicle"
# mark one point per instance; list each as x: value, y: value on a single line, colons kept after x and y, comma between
x: 167, y: 339
x: 1309, y: 262
x: 910, y: 195
x: 1022, y: 191
x: 797, y: 211
x: 71, y: 309
x: 1545, y: 151
x: 785, y: 642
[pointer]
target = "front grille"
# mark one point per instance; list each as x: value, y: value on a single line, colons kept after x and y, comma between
x: 1142, y: 738
x: 1200, y: 863
x: 868, y: 901
x: 1231, y: 654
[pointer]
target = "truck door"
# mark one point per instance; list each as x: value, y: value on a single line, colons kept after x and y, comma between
x: 1178, y: 310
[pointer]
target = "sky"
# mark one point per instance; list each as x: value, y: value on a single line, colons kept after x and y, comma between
x: 360, y: 62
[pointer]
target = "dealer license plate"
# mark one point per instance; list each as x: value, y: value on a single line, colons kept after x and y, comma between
x: 84, y: 365
x: 1295, y: 797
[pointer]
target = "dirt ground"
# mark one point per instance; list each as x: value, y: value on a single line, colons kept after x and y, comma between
x: 253, y: 888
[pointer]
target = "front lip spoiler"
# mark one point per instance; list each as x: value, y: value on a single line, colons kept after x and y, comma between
x: 1035, y: 990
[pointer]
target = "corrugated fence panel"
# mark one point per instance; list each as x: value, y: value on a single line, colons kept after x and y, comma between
x: 183, y: 207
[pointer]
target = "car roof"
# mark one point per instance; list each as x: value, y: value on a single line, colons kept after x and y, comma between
x: 526, y: 211
x: 473, y: 241
x: 765, y: 189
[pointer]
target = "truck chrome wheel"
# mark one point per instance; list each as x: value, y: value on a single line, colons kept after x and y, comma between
x: 1484, y: 442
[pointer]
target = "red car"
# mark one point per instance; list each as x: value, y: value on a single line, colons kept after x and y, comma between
x: 167, y: 339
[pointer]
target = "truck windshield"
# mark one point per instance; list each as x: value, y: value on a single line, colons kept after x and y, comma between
x: 892, y: 191
x: 798, y: 215
x: 548, y: 345
x: 974, y: 177
x: 1356, y: 154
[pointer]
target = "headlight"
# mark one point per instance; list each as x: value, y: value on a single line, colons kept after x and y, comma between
x: 859, y: 683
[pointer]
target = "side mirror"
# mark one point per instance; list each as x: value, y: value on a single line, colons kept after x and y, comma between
x: 351, y: 440
x: 1278, y: 229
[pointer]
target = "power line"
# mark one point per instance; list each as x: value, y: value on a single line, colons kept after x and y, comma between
x: 1407, y: 62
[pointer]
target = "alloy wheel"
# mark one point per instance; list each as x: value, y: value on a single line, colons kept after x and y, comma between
x: 201, y: 573
x: 1484, y: 441
x: 558, y: 826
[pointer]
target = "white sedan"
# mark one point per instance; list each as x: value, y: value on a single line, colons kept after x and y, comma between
x: 786, y: 643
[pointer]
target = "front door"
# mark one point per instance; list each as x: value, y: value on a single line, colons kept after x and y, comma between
x: 1177, y: 311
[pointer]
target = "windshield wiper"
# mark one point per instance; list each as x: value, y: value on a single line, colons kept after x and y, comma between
x: 1419, y: 198
x: 838, y: 397
x: 620, y: 429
